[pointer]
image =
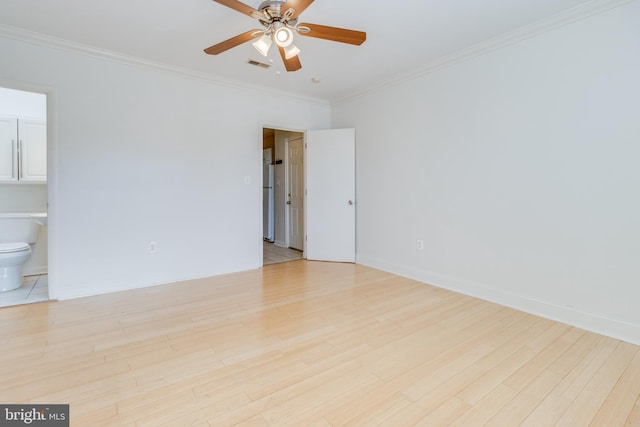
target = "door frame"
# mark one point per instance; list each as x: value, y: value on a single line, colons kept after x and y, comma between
x: 52, y: 178
x: 286, y: 128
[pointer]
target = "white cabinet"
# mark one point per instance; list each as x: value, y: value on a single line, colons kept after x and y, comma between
x: 23, y: 150
x: 32, y: 147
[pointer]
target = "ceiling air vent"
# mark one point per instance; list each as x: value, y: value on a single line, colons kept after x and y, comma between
x: 259, y: 64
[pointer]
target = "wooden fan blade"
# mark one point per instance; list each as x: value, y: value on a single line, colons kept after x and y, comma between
x: 334, y: 34
x: 291, y: 64
x: 298, y: 6
x: 239, y: 6
x: 233, y: 42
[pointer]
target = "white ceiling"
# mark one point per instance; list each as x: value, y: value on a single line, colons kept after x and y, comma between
x: 402, y: 35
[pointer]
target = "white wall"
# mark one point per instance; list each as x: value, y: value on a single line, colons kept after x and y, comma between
x: 140, y: 155
x: 19, y: 103
x: 23, y: 197
x: 519, y: 170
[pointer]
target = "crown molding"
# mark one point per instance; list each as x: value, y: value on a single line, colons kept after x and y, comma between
x: 31, y: 37
x: 578, y: 13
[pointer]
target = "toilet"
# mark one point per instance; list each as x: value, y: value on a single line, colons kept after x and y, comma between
x: 12, y: 258
x: 18, y: 231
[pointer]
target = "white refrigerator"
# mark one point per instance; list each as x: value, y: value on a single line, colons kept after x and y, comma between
x: 267, y: 203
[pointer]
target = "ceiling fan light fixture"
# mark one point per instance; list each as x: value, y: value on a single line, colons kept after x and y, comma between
x: 291, y: 51
x: 279, y: 20
x: 263, y: 44
x: 283, y: 36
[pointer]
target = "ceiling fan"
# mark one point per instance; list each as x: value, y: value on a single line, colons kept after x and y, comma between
x: 280, y: 20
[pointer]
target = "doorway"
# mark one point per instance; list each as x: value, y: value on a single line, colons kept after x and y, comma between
x: 23, y: 183
x: 283, y: 153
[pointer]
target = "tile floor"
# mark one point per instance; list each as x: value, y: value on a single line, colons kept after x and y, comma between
x: 33, y: 289
x: 273, y: 254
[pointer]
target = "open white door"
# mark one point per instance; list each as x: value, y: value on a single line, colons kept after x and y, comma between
x: 295, y: 193
x: 331, y: 190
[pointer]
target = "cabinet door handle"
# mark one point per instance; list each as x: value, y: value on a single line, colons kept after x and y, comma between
x: 19, y: 158
x: 13, y: 158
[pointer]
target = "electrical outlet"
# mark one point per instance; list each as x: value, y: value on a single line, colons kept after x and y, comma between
x: 420, y: 245
x: 153, y: 247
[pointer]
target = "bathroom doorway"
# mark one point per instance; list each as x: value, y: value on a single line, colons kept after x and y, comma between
x: 23, y: 182
x: 285, y: 243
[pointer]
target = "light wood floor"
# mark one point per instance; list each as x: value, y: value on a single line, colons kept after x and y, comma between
x: 311, y: 344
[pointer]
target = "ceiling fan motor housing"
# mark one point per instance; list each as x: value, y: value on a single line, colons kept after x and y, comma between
x: 271, y: 11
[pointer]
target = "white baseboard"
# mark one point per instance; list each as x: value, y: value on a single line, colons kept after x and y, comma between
x: 593, y: 322
x: 280, y: 244
x: 35, y: 270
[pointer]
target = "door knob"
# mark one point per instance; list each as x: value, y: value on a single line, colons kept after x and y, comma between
x: 350, y: 202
